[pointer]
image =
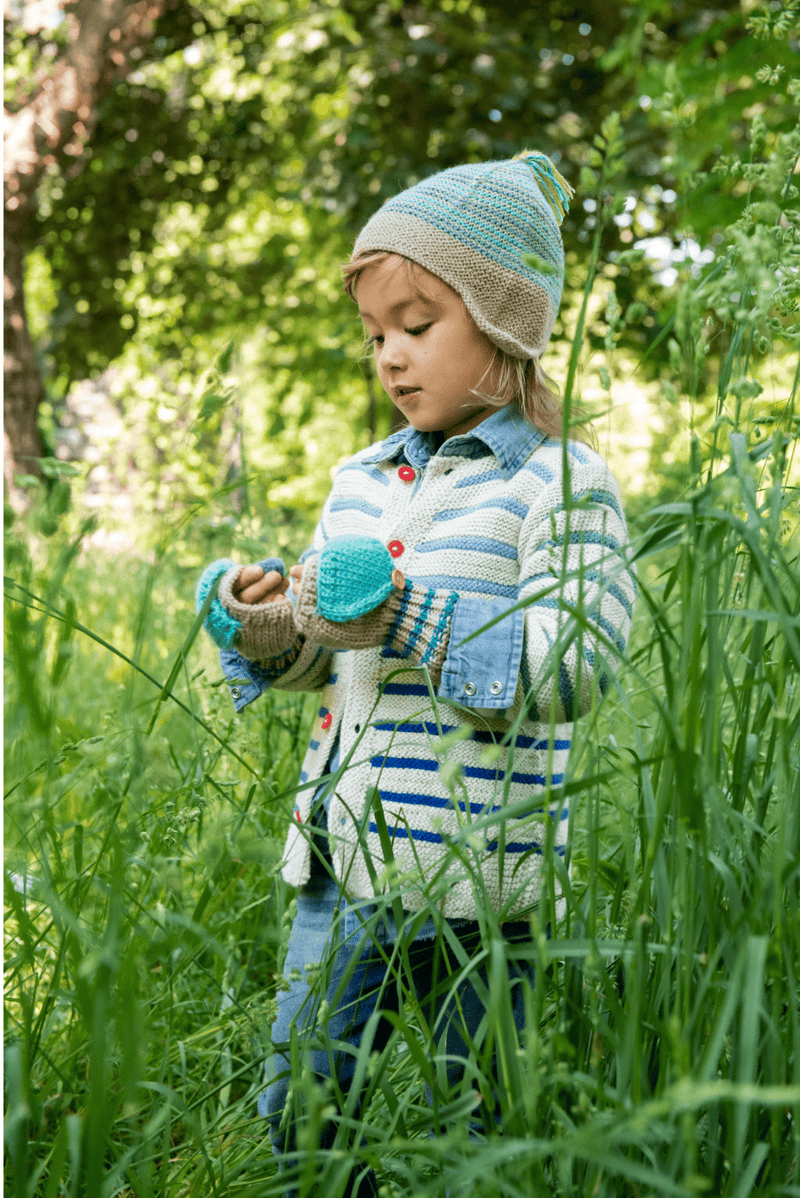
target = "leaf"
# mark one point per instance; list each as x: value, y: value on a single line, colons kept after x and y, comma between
x: 541, y: 264
x: 55, y: 468
x: 224, y: 362
x: 213, y: 402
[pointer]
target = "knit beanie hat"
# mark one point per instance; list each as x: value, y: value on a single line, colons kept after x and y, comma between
x: 472, y: 227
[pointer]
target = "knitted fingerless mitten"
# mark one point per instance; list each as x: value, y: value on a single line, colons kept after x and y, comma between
x: 221, y: 627
x: 257, y: 630
x: 412, y: 622
x: 266, y: 629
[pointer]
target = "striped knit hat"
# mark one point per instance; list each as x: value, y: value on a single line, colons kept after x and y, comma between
x: 473, y: 226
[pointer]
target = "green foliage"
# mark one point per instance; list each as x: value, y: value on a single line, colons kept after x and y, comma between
x: 135, y: 863
x: 229, y: 172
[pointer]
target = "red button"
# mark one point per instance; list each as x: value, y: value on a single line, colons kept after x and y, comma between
x: 396, y: 548
x: 297, y: 817
x: 327, y: 720
x: 407, y: 473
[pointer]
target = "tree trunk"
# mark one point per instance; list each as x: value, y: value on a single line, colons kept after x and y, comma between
x: 24, y: 390
x: 53, y: 125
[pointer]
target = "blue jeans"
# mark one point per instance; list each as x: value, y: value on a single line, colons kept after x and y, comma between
x: 319, y: 936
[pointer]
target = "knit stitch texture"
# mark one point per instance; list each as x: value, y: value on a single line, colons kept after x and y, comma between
x: 354, y: 576
x: 265, y: 630
x: 222, y: 627
x: 474, y: 226
x: 485, y: 782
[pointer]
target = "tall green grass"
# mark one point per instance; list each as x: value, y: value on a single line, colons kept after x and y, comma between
x: 144, y: 826
x: 145, y: 917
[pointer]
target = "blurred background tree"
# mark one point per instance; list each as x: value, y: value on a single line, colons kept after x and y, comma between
x: 65, y: 62
x: 202, y: 193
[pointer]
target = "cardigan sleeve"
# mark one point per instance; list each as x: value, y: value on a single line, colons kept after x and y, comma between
x: 579, y: 586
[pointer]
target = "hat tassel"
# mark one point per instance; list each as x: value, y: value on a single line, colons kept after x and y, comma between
x: 553, y: 186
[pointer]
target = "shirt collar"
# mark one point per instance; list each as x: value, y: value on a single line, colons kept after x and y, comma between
x: 505, y: 433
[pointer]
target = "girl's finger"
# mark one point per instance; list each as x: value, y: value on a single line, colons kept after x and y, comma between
x: 272, y: 586
x: 247, y: 576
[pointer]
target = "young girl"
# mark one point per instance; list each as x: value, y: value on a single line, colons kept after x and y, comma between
x: 447, y: 704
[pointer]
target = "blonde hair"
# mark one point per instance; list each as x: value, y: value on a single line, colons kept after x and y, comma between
x: 517, y: 380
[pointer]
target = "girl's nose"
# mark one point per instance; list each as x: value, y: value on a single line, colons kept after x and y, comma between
x: 392, y: 352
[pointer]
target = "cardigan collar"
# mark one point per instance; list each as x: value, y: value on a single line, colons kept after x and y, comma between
x: 505, y: 433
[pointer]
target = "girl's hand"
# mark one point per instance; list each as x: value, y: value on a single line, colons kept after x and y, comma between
x: 296, y: 575
x: 254, y: 586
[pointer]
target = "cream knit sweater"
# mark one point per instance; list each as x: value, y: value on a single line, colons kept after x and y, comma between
x: 470, y: 797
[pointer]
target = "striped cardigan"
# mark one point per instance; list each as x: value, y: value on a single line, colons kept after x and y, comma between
x: 468, y: 794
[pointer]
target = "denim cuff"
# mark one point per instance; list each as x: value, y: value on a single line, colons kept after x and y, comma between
x: 484, y: 672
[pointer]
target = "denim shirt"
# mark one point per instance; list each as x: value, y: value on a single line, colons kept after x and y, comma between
x: 483, y: 672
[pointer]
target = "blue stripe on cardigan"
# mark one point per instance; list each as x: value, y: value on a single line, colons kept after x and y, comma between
x: 586, y: 536
x: 470, y: 771
x: 406, y: 688
x: 601, y: 498
x: 504, y: 502
x: 351, y: 503
x: 492, y: 847
x: 473, y: 544
x: 540, y: 470
x: 593, y: 576
x: 592, y: 615
x: 479, y: 736
x: 533, y: 847
x: 420, y: 800
x: 367, y: 468
x: 488, y: 476
x: 466, y: 585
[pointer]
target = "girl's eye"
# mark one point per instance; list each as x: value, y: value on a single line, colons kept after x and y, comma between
x: 417, y: 331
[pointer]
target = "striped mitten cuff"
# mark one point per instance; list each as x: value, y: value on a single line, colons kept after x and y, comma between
x: 420, y: 630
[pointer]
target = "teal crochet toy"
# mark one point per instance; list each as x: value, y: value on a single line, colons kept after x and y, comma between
x: 354, y: 576
x: 223, y: 628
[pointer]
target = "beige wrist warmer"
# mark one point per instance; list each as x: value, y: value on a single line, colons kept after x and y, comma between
x: 268, y: 629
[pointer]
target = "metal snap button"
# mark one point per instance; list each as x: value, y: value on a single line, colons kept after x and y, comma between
x: 470, y: 688
x: 496, y: 688
x: 236, y: 692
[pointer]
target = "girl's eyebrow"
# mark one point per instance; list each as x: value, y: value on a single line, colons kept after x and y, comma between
x: 400, y: 305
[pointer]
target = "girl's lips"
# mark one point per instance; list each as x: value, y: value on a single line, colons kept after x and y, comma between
x: 405, y: 392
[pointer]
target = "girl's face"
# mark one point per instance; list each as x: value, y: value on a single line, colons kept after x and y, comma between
x: 429, y: 352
